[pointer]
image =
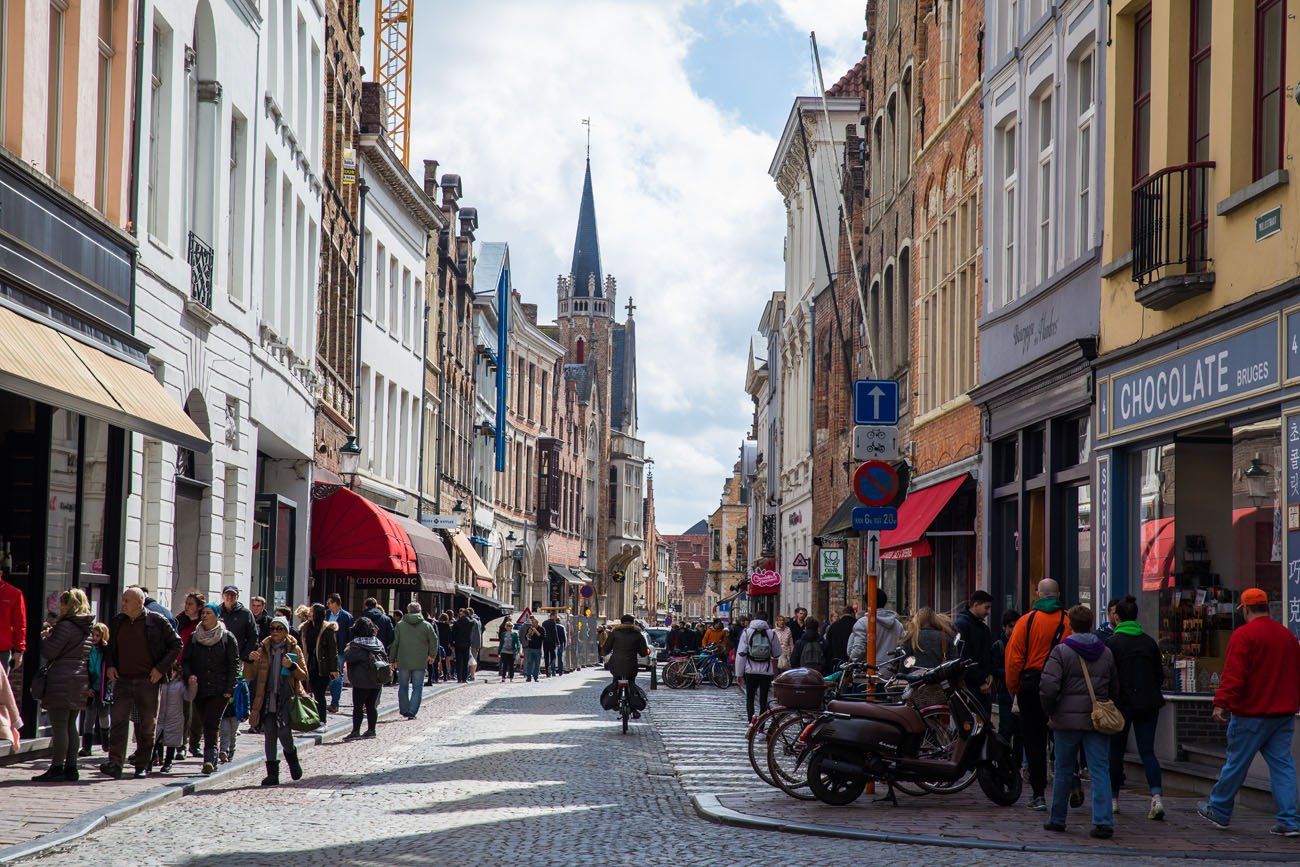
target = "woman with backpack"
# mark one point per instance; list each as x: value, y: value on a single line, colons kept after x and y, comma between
x: 756, y: 656
x: 809, y: 650
x: 368, y: 672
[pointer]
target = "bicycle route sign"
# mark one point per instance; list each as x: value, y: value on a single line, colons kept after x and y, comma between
x: 876, y: 484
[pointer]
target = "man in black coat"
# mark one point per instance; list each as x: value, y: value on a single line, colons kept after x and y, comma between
x: 837, y: 638
x: 384, y: 629
x: 462, y: 638
x: 261, y: 617
x: 239, y: 620
x: 1139, y: 697
x: 550, y: 640
x: 977, y: 645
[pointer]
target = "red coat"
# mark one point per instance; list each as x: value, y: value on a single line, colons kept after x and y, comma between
x: 13, y: 617
x: 1261, y: 675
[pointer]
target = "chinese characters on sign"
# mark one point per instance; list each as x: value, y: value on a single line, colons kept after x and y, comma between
x: 1292, y: 595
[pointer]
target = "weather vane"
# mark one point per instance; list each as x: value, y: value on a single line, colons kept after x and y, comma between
x: 586, y: 121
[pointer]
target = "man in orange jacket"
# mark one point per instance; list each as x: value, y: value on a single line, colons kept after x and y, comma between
x: 1031, y: 640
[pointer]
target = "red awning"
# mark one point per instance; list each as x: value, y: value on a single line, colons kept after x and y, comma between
x: 351, y: 534
x: 914, y: 519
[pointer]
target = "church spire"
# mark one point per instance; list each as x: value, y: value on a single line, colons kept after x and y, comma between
x: 586, y: 246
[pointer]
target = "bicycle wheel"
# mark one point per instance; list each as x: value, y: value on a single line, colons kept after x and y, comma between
x: 721, y: 676
x: 757, y: 738
x: 678, y: 674
x: 938, y: 742
x: 626, y: 712
x: 782, y: 757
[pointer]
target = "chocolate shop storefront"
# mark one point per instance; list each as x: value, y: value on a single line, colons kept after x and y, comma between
x: 1198, y: 469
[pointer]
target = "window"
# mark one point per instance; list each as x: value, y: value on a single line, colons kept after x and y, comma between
x: 1085, y: 112
x: 158, y: 148
x: 890, y: 159
x: 1199, y: 107
x: 580, y: 354
x: 949, y: 291
x: 54, y: 99
x: 380, y: 290
x: 395, y: 309
x: 104, y: 106
x: 1270, y: 90
x: 1046, y: 150
x: 950, y: 45
x: 1142, y: 97
x: 1009, y: 276
x: 238, y: 190
x: 905, y: 129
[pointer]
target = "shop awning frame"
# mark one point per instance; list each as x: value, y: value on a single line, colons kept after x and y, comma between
x: 840, y: 523
x: 462, y: 545
x: 351, y: 534
x: 915, y: 517
x: 46, y: 365
x: 473, y: 595
x: 566, y: 574
x: 436, y: 573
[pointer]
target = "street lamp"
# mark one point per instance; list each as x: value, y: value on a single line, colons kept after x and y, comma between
x: 1258, y: 481
x: 459, y: 507
x: 350, y: 457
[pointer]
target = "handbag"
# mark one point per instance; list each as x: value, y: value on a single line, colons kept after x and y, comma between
x: 1106, y: 718
x: 303, y: 715
x: 41, y: 681
x: 383, y: 671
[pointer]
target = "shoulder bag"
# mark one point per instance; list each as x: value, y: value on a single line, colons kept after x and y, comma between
x: 1106, y: 718
x: 41, y: 681
x: 1031, y: 677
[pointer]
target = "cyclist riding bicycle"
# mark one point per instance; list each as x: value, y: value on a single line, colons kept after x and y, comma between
x: 623, y: 644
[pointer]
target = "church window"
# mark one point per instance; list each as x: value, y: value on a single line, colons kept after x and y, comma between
x: 582, y: 351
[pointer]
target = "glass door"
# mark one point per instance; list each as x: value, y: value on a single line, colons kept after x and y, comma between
x: 274, y: 535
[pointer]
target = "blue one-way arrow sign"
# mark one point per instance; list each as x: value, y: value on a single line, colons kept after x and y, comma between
x: 875, y: 401
x: 881, y: 518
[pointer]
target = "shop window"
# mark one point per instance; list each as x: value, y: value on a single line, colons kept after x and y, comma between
x: 1034, y: 452
x: 94, y: 496
x: 1006, y: 547
x: 1006, y: 467
x: 1074, y: 441
x: 61, y: 515
x: 1076, y: 520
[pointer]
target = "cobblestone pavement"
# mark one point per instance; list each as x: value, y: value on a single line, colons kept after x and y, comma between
x: 499, y: 772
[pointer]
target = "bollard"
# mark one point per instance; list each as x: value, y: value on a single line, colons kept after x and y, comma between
x: 654, y: 676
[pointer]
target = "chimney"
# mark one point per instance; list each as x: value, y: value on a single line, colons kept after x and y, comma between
x: 431, y: 179
x: 530, y: 312
x: 374, y: 108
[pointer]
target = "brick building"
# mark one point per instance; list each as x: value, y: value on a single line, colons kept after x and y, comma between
x: 939, y: 521
x: 691, y: 550
x: 337, y: 292
x: 729, y: 543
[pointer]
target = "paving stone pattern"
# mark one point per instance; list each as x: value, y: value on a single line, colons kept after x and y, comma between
x: 497, y: 773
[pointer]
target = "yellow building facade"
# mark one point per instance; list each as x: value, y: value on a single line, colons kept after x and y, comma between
x: 1196, y: 423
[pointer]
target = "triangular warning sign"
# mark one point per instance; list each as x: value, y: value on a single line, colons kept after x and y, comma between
x: 524, y: 616
x: 800, y: 561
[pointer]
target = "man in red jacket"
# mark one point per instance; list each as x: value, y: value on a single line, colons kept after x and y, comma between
x: 1259, y: 696
x: 13, y: 626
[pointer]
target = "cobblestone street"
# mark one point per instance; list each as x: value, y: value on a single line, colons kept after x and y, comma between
x: 495, y: 772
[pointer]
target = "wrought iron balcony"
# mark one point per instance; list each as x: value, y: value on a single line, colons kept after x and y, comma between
x: 200, y: 257
x: 1171, y: 255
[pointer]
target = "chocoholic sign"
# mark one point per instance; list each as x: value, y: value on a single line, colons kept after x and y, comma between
x: 1216, y: 371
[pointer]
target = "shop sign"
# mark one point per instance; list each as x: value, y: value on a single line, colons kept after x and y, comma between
x: 1208, y: 374
x: 397, y: 581
x: 1103, y: 527
x: 831, y: 565
x: 1292, y: 589
x: 349, y: 166
x: 441, y: 522
x: 1268, y: 224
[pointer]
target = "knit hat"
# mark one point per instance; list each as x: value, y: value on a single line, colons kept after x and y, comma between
x: 282, y: 621
x: 214, y: 608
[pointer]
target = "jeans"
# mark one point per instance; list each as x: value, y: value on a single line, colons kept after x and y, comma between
x: 1097, y: 747
x: 756, y: 683
x: 336, y: 685
x: 1271, y: 737
x: 1033, y: 737
x: 409, y: 680
x: 462, y: 664
x: 64, y: 741
x: 140, y: 694
x: 364, y: 702
x: 229, y: 731
x: 208, y: 712
x: 275, y: 728
x: 532, y: 663
x: 1144, y: 732
x: 549, y: 652
x: 507, y: 666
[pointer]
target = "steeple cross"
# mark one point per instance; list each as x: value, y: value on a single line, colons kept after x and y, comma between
x: 586, y: 121
x: 630, y: 307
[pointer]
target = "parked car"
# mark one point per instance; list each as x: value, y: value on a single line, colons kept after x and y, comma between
x: 658, y: 636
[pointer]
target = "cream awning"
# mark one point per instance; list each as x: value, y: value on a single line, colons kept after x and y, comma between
x: 39, y: 362
x: 465, y: 549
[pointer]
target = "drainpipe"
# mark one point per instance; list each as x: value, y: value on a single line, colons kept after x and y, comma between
x: 362, y: 189
x: 424, y: 366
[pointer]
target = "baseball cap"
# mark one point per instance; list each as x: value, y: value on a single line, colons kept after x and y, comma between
x: 1253, y: 596
x: 230, y: 588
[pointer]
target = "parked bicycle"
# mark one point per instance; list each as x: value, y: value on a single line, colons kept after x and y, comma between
x: 686, y: 672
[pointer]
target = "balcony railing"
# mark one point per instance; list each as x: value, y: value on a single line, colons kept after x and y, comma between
x: 1171, y: 256
x: 200, y: 258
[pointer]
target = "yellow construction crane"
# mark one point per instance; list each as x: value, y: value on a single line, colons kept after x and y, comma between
x: 393, y: 28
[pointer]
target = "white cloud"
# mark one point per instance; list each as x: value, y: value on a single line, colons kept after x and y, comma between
x: 690, y: 223
x: 838, y: 25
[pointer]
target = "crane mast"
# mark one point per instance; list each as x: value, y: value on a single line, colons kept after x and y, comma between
x: 393, y: 28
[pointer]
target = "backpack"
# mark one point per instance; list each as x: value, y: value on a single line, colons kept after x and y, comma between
x: 760, y: 646
x: 241, y: 700
x: 812, y: 656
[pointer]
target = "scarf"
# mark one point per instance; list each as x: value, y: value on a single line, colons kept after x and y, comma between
x: 1129, y: 627
x: 209, y: 637
x: 1048, y: 604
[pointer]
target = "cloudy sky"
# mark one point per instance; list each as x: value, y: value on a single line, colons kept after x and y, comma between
x: 687, y: 99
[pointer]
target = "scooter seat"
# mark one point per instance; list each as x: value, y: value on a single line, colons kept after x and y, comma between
x: 900, y: 715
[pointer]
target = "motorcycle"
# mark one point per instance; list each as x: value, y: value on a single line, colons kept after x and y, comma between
x: 852, y: 743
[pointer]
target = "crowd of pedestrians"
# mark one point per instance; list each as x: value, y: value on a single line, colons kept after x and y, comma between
x: 183, y: 684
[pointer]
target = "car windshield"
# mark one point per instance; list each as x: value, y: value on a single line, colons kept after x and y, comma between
x: 658, y: 636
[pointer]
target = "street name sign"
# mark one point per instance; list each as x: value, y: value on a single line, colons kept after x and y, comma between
x: 441, y: 522
x: 875, y: 443
x: 875, y: 518
x: 875, y: 401
x: 876, y: 483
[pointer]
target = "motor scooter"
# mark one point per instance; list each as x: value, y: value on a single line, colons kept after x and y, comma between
x: 852, y: 743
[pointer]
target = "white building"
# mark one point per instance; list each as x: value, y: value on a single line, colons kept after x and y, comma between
x: 491, y: 273
x: 229, y: 201
x: 399, y: 219
x: 805, y: 276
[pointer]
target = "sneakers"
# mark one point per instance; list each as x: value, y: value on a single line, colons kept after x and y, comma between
x: 1038, y: 804
x: 352, y: 736
x: 208, y: 768
x: 223, y: 758
x: 1203, y: 810
x: 1157, y: 811
x: 1076, y: 795
x: 166, y: 768
x: 109, y: 769
x: 140, y: 773
x: 1284, y: 831
x: 333, y: 708
x: 1102, y: 832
